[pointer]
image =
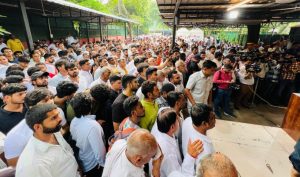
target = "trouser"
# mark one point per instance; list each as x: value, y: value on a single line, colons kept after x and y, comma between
x: 222, y: 98
x: 269, y: 93
x: 286, y: 88
x: 244, y: 96
x: 95, y: 172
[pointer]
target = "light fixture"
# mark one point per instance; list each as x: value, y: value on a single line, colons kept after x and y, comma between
x: 233, y: 14
x: 238, y: 5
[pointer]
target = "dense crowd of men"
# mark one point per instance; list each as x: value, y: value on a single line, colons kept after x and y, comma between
x: 132, y: 108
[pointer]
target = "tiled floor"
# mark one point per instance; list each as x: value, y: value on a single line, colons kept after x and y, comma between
x: 259, y: 114
x: 253, y: 148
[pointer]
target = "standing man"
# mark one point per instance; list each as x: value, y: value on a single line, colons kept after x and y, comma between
x: 73, y: 76
x: 62, y: 74
x: 46, y: 154
x: 130, y: 85
x: 14, y: 109
x: 84, y: 72
x: 198, y: 88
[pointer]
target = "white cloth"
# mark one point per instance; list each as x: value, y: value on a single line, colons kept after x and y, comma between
x: 99, y: 81
x: 172, y: 159
x: 140, y: 94
x: 178, y: 174
x: 218, y: 63
x: 89, y: 135
x: 242, y: 73
x: 2, y: 45
x: 189, y: 132
x: 18, y: 137
x: 54, y: 81
x: 87, y: 76
x: 41, y: 159
x: 50, y: 68
x: 132, y: 70
x: 82, y: 84
x: 200, y: 87
x: 3, y: 69
x: 117, y: 163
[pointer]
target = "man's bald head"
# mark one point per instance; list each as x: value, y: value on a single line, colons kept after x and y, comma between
x: 140, y: 142
x: 141, y: 147
x: 216, y: 164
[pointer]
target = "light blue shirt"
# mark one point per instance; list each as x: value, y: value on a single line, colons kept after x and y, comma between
x: 54, y: 81
x: 89, y: 137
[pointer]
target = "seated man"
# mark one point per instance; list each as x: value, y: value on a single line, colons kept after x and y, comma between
x: 195, y: 127
x: 168, y: 125
x: 213, y: 165
x: 46, y: 153
x: 127, y: 158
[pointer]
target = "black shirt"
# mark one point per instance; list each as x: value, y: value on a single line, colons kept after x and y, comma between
x: 140, y: 80
x: 10, y: 119
x: 118, y: 113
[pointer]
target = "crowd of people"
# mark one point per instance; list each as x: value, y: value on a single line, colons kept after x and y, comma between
x: 132, y: 108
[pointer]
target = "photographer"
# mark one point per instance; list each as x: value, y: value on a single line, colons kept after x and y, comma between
x: 245, y: 75
x: 289, y: 69
x: 223, y: 78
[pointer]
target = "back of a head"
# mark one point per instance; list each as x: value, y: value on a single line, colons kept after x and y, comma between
x: 166, y: 119
x: 141, y: 142
x: 130, y: 104
x: 35, y: 96
x: 66, y: 88
x: 81, y: 104
x: 200, y: 113
x: 168, y: 87
x: 216, y: 164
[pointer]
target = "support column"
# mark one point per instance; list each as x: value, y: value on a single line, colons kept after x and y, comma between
x: 100, y: 28
x: 87, y: 31
x: 49, y: 29
x: 175, y: 23
x: 125, y: 30
x: 253, y: 33
x: 26, y: 25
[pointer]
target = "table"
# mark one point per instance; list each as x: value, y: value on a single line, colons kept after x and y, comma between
x: 251, y: 147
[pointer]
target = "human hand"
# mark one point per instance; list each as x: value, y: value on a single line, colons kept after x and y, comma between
x: 195, y: 148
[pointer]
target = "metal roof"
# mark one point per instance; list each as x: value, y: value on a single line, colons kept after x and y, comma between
x: 212, y: 12
x: 65, y: 9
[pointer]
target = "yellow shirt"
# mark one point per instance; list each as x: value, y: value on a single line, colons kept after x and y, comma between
x: 151, y: 110
x: 15, y: 45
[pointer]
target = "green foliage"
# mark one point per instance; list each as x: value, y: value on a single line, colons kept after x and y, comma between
x: 2, y: 30
x: 145, y: 12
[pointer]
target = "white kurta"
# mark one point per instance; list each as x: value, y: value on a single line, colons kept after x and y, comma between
x: 117, y: 163
x: 41, y: 159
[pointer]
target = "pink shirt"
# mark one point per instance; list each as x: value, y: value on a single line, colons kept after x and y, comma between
x: 221, y: 78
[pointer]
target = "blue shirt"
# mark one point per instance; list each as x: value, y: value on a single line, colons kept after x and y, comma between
x: 88, y: 134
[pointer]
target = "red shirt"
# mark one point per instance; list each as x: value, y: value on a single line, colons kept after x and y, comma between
x: 221, y: 78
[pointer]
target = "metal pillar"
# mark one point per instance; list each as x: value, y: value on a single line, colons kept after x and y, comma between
x: 175, y: 23
x: 253, y: 33
x: 87, y: 31
x: 100, y: 28
x: 49, y: 29
x: 26, y: 25
x: 125, y: 30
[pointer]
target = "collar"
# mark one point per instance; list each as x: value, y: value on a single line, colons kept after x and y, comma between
x: 92, y: 117
x: 10, y: 112
x: 168, y: 138
x: 43, y: 146
x: 202, y: 74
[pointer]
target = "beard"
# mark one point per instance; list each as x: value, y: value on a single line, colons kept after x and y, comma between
x: 47, y: 130
x: 42, y: 85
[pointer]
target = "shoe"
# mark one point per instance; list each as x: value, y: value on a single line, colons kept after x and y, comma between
x: 229, y: 114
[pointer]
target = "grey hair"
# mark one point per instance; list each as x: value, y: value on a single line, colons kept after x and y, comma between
x: 103, y: 70
x: 178, y: 63
x: 141, y: 142
x: 218, y: 164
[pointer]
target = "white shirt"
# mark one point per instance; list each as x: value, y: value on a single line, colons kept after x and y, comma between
x: 50, y: 68
x: 2, y: 45
x: 189, y: 132
x: 218, y: 63
x: 41, y: 159
x: 3, y: 69
x: 82, y: 84
x: 18, y: 137
x: 88, y: 134
x: 117, y: 163
x: 200, y: 87
x: 242, y: 73
x: 87, y: 76
x: 54, y: 81
x: 172, y: 159
x: 99, y: 81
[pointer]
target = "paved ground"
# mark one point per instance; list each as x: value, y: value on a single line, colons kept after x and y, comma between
x: 259, y: 114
